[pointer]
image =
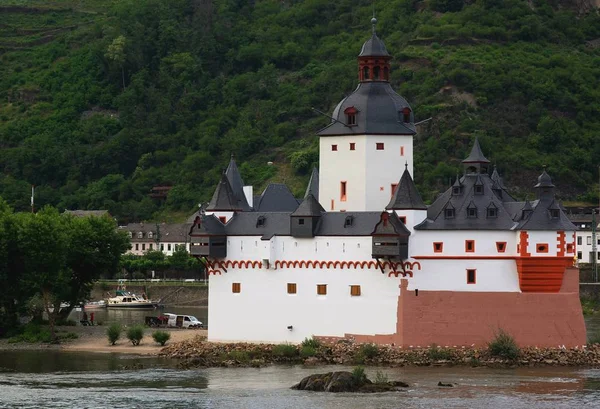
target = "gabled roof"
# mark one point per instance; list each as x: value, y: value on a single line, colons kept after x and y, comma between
x: 390, y: 223
x: 406, y: 195
x: 476, y: 155
x: 313, y: 184
x: 310, y: 207
x: 378, y: 107
x: 207, y: 225
x: 224, y: 199
x: 276, y: 198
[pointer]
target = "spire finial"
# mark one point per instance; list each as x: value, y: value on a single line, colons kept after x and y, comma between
x: 406, y: 165
x: 373, y: 20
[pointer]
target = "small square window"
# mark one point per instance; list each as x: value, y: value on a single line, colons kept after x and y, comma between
x: 478, y: 189
x: 379, y: 146
x: 355, y: 290
x: 402, y: 219
x: 291, y: 288
x: 492, y: 213
x: 236, y: 288
x: 334, y: 148
x: 456, y: 190
x: 541, y: 247
x: 555, y: 213
x: 501, y: 246
x: 438, y: 247
x: 569, y: 247
x: 352, y: 146
x: 471, y: 276
x: 300, y: 221
x: 472, y: 213
x: 321, y: 289
x: 470, y: 246
x: 449, y: 213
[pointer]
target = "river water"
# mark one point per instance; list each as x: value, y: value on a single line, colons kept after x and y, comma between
x: 54, y: 379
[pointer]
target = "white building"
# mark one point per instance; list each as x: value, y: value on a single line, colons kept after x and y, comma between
x: 163, y: 237
x: 361, y: 256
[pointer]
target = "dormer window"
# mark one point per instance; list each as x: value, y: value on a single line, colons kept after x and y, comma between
x: 351, y: 113
x: 348, y: 222
x: 140, y: 235
x: 449, y: 213
x: 456, y: 190
x: 554, y: 213
x: 130, y: 235
x: 526, y: 213
x: 471, y: 211
x: 260, y: 222
x: 406, y: 115
x: 478, y: 189
x: 492, y: 212
x: 150, y: 235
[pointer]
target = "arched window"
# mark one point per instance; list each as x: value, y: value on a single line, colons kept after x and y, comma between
x: 150, y: 235
x: 351, y: 116
x: 376, y: 71
x: 140, y: 235
x: 365, y: 73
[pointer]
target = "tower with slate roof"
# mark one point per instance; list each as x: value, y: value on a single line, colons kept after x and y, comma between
x: 369, y: 140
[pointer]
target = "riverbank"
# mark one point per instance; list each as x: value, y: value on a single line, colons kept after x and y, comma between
x: 198, y: 353
x: 93, y: 339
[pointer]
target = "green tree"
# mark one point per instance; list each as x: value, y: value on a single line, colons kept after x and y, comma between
x: 116, y: 54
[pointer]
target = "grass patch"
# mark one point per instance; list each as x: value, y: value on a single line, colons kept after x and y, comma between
x: 311, y: 342
x: 436, y: 353
x: 366, y: 351
x: 381, y: 378
x: 285, y: 351
x: 503, y: 346
x: 307, y: 351
x: 239, y: 356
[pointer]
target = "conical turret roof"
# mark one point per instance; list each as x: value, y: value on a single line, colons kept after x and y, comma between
x: 237, y: 184
x: 476, y: 155
x: 406, y: 195
x: 313, y: 184
x: 223, y: 199
x: 544, y: 180
x: 374, y: 47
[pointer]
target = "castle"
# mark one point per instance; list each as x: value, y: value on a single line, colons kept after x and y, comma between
x: 361, y: 256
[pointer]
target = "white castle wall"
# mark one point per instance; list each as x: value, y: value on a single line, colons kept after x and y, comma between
x: 369, y: 173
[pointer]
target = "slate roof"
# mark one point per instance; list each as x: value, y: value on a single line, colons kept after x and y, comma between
x: 224, y: 199
x: 379, y: 112
x: 313, y: 184
x: 276, y: 198
x: 476, y: 155
x: 374, y: 47
x: 310, y: 207
x: 544, y: 180
x: 406, y: 195
x: 237, y: 184
x: 163, y: 232
x: 209, y: 225
x: 436, y: 219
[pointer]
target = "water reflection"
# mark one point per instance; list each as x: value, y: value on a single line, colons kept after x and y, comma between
x: 131, y: 316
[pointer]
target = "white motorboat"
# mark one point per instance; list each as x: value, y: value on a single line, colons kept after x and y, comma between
x: 125, y: 299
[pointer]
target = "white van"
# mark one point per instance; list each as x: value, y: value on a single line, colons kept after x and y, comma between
x: 183, y: 321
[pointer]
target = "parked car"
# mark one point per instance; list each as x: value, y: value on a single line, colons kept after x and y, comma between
x: 183, y: 321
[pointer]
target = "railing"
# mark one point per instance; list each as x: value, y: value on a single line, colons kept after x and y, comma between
x: 160, y: 281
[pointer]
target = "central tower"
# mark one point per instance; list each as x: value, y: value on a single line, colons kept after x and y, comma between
x: 364, y: 150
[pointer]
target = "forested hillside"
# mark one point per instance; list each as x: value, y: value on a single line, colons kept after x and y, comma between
x: 102, y: 100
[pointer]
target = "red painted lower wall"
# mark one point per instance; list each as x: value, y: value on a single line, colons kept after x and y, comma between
x: 449, y: 318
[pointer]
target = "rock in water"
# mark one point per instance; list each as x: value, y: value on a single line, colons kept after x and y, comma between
x: 447, y: 385
x: 343, y: 381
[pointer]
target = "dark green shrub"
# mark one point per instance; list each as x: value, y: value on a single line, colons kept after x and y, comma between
x: 369, y: 351
x: 161, y: 337
x: 113, y: 332
x: 311, y: 342
x: 135, y: 334
x: 307, y: 351
x: 285, y: 351
x: 439, y: 354
x: 503, y: 346
x: 358, y: 375
x: 239, y: 356
x: 594, y: 338
x: 32, y: 333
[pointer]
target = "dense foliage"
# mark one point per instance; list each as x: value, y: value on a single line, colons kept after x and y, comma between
x: 141, y: 267
x: 47, y: 259
x: 102, y: 100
